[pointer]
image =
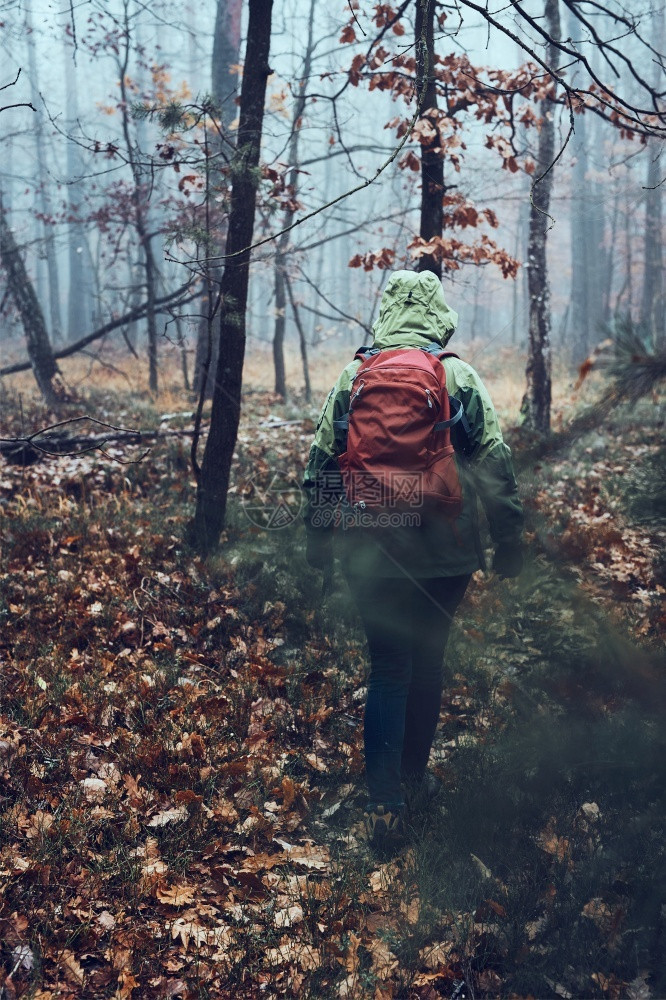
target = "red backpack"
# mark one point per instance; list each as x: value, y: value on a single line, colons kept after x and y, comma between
x: 399, y: 453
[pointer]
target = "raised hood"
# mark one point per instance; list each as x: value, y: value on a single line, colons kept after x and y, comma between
x: 413, y: 311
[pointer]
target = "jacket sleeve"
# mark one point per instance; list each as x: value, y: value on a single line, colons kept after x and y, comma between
x: 322, y: 482
x: 490, y: 468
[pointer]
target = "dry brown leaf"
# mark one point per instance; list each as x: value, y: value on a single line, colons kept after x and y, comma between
x: 316, y: 762
x: 294, y: 951
x: 598, y: 911
x: 188, y: 930
x: 309, y: 855
x: 411, y: 910
x: 383, y: 959
x: 168, y: 816
x: 289, y: 916
x: 152, y: 848
x: 382, y: 879
x: 434, y: 956
x: 175, y: 895
x: 94, y: 789
x: 552, y: 844
x: 106, y: 920
x: 73, y: 970
x: 350, y: 988
x: 288, y: 791
x: 225, y: 811
x: 351, y: 960
x: 590, y: 811
x: 127, y: 983
x: 154, y: 868
x: 534, y: 927
x: 610, y: 985
x: 37, y: 824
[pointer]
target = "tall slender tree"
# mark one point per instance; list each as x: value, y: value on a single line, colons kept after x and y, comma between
x: 141, y: 184
x: 79, y: 305
x: 226, y: 50
x: 653, y: 302
x: 288, y: 216
x: 44, y: 186
x: 224, y: 85
x: 432, y: 161
x: 214, y: 475
x: 537, y: 399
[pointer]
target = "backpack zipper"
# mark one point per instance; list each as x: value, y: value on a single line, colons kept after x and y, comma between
x: 429, y: 398
x: 356, y: 395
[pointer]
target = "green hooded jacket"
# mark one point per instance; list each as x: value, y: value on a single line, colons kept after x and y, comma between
x: 414, y: 313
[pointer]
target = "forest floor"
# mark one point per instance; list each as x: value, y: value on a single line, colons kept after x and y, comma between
x: 181, y: 741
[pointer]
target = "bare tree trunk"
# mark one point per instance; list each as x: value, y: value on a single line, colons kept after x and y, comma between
x: 653, y: 304
x: 627, y: 288
x: 79, y: 304
x: 27, y: 304
x: 213, y: 477
x: 610, y: 270
x: 596, y: 251
x: 302, y: 340
x: 432, y: 164
x: 44, y: 194
x: 536, y: 402
x: 226, y: 48
x: 224, y: 83
x: 288, y: 218
x: 514, y: 290
x: 182, y: 343
x: 139, y: 203
x: 580, y: 207
x: 280, y: 325
x: 321, y: 257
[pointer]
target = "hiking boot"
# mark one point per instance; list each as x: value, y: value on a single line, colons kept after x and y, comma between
x: 385, y: 828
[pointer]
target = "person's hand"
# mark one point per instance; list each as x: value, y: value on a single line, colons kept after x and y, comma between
x: 319, y: 550
x: 508, y: 559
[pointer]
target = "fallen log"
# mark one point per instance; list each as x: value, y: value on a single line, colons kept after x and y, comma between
x: 53, y: 442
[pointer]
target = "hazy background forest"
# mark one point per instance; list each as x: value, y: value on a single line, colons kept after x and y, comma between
x: 181, y: 709
x: 70, y: 170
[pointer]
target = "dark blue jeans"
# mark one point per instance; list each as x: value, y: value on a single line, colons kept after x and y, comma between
x: 407, y: 624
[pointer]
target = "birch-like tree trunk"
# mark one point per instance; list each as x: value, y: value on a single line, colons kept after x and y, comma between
x: 214, y: 475
x: 536, y: 402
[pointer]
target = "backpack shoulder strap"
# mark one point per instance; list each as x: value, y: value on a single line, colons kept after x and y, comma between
x: 439, y: 351
x: 363, y: 353
x: 433, y: 348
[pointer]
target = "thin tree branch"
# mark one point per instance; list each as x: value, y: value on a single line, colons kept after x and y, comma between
x: 162, y: 305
